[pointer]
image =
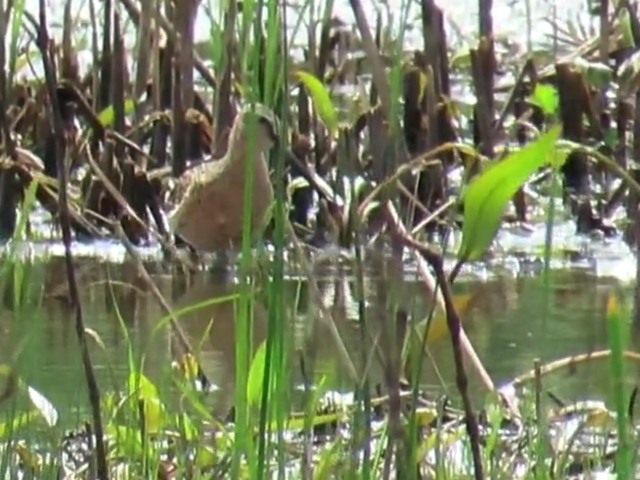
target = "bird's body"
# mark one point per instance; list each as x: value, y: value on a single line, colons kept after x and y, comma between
x: 210, y: 216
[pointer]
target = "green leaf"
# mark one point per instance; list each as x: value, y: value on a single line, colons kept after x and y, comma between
x: 107, y: 116
x: 145, y: 387
x: 16, y: 422
x: 128, y: 443
x: 321, y: 101
x: 205, y: 457
x: 147, y: 393
x: 545, y: 97
x: 597, y: 74
x: 487, y: 194
x: 558, y: 157
x: 256, y: 375
x: 27, y: 206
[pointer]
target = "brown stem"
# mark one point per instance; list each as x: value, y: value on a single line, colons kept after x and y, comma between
x: 173, y: 36
x: 65, y: 225
x: 434, y: 259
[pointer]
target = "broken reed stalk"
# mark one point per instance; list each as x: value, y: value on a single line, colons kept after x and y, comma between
x: 43, y: 44
x: 435, y: 260
x: 569, y: 363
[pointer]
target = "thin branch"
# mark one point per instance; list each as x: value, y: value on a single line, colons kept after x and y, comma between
x: 65, y: 225
x: 434, y: 259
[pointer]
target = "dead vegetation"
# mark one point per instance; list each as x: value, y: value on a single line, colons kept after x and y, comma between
x: 127, y: 131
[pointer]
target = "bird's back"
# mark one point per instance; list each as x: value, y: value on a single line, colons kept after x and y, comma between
x: 210, y: 216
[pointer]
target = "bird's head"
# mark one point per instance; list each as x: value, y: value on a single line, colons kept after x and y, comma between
x: 256, y: 126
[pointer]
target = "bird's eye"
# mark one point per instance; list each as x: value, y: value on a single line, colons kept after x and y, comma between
x: 270, y: 128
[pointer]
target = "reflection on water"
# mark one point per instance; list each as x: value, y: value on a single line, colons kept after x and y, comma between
x: 510, y: 321
x: 211, y: 330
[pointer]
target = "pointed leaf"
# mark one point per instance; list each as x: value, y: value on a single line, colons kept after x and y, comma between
x: 487, y: 195
x: 256, y: 375
x: 546, y: 97
x: 321, y: 100
x: 107, y: 116
x: 152, y: 406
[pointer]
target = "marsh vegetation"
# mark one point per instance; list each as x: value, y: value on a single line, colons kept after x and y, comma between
x: 392, y: 195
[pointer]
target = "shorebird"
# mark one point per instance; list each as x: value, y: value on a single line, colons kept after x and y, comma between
x: 210, y: 215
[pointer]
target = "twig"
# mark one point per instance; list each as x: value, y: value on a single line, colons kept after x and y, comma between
x: 435, y: 260
x: 65, y: 225
x: 568, y: 363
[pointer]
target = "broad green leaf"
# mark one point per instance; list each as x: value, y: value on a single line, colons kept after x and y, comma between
x: 146, y: 388
x: 438, y: 327
x: 256, y: 375
x: 321, y: 101
x: 487, y: 194
x: 545, y: 97
x: 152, y: 406
x: 107, y: 116
x: 461, y: 60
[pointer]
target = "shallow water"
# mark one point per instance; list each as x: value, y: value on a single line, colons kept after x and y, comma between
x: 510, y: 318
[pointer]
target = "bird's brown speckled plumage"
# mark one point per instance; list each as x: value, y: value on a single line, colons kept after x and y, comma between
x: 210, y: 216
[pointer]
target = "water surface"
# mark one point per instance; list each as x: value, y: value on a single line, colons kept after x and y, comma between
x: 511, y: 320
